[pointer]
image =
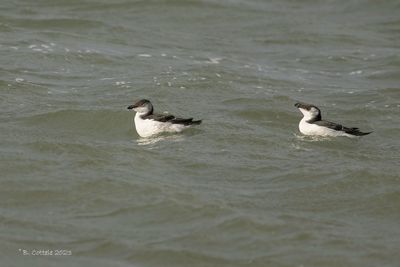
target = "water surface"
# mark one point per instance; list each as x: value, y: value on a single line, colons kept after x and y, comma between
x: 245, y: 188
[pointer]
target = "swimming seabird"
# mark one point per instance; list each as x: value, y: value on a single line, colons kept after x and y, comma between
x: 148, y: 123
x: 312, y: 124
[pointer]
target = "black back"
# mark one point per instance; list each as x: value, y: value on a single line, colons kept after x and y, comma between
x: 339, y: 127
x: 169, y: 118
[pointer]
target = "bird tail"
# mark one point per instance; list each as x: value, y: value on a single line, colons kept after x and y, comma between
x: 196, y: 122
x: 186, y: 122
x: 356, y: 132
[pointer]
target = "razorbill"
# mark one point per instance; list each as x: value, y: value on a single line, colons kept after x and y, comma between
x: 148, y: 123
x: 312, y: 124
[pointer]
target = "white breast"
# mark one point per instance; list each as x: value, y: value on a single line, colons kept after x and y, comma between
x: 313, y: 129
x: 146, y: 127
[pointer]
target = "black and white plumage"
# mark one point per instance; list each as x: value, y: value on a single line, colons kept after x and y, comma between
x: 148, y: 123
x: 312, y: 124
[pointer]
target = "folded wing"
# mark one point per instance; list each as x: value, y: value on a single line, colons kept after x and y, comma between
x: 172, y: 119
x: 339, y: 127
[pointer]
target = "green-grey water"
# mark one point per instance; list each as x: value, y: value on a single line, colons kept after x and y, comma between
x: 245, y: 188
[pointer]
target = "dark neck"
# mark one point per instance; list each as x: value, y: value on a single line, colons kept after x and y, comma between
x: 150, y: 112
x: 318, y: 118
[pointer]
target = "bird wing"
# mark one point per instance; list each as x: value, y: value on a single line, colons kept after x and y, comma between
x: 182, y: 121
x: 160, y: 117
x: 171, y: 119
x: 330, y: 125
x: 338, y: 127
